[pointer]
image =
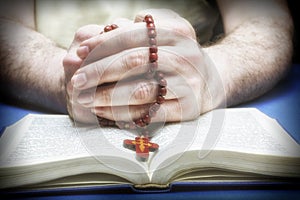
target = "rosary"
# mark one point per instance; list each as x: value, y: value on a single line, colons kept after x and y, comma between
x: 142, y: 144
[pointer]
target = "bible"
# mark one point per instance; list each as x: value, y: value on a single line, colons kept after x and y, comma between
x: 234, y: 144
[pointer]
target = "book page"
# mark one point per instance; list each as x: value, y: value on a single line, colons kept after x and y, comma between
x: 251, y: 131
x: 246, y: 139
x: 40, y: 138
x: 41, y: 141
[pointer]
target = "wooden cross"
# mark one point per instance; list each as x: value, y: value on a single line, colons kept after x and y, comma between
x: 142, y: 146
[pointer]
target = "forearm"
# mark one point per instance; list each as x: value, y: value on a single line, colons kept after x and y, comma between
x: 31, y: 67
x: 253, y: 57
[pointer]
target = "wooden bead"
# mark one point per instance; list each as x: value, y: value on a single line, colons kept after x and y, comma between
x: 153, y: 57
x: 160, y: 99
x: 162, y: 91
x: 162, y: 82
x: 114, y: 26
x: 151, y: 26
x: 108, y: 28
x: 146, y: 119
x: 153, y: 49
x: 152, y: 41
x: 151, y: 33
x: 148, y: 19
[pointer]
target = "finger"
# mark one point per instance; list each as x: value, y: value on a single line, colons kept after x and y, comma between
x: 136, y: 62
x: 136, y: 92
x: 73, y: 60
x: 133, y: 36
x: 171, y: 111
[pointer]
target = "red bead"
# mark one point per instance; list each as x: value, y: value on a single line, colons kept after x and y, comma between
x: 160, y: 99
x: 153, y: 49
x: 108, y: 28
x: 146, y: 119
x: 114, y: 26
x: 151, y: 26
x: 152, y: 41
x: 162, y: 82
x: 152, y: 33
x: 153, y: 57
x: 140, y: 123
x: 148, y: 19
x: 162, y: 91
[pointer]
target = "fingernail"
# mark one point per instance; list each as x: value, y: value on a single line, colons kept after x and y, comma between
x: 85, y: 98
x: 83, y: 51
x: 79, y: 80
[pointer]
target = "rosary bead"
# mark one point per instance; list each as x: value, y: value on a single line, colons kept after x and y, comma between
x: 152, y: 33
x: 114, y: 26
x: 162, y: 91
x: 160, y: 99
x: 151, y: 26
x: 140, y: 123
x: 108, y: 28
x: 152, y: 41
x: 153, y: 57
x: 148, y: 19
x: 162, y: 82
x: 153, y: 49
x: 146, y: 119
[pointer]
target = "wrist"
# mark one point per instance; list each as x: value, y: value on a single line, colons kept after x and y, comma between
x: 216, y: 87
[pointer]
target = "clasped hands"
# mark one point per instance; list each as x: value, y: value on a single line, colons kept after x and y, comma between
x: 104, y: 72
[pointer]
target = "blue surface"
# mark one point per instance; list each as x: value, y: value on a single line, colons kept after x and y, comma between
x: 281, y: 103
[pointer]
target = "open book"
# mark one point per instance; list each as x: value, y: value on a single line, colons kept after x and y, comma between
x: 51, y: 151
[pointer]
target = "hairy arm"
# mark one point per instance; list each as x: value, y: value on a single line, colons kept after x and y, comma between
x: 256, y: 50
x: 30, y: 64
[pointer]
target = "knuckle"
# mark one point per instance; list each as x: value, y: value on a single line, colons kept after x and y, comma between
x: 105, y: 96
x: 132, y: 60
x: 143, y: 92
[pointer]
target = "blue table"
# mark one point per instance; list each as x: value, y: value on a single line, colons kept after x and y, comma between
x: 281, y: 103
